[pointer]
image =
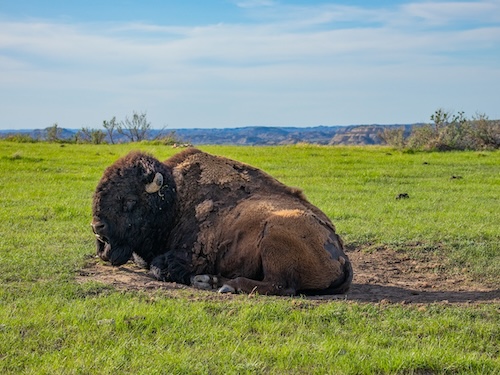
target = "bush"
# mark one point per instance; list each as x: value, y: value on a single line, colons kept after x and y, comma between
x: 169, y: 139
x: 486, y: 133
x: 53, y: 133
x: 455, y: 132
x: 422, y: 138
x: 20, y: 138
x: 394, y: 137
x: 87, y: 135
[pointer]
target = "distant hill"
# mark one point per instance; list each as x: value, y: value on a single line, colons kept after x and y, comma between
x: 258, y: 135
x: 254, y: 135
x: 363, y: 134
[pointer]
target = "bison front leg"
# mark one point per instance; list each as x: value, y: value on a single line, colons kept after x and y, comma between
x: 245, y: 285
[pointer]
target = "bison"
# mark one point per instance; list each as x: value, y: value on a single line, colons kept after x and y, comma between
x: 212, y: 222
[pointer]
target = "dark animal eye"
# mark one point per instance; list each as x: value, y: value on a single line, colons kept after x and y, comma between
x: 129, y: 204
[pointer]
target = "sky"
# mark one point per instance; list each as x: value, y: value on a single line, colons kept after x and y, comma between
x: 234, y: 63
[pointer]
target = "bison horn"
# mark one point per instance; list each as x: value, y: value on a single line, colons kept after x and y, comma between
x: 156, y: 185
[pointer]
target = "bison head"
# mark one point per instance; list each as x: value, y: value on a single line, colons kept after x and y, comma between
x: 133, y: 209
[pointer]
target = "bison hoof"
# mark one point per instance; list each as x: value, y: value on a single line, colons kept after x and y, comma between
x: 227, y: 289
x: 206, y: 282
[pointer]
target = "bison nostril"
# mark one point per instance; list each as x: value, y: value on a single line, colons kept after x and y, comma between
x: 99, y: 227
x: 101, y: 231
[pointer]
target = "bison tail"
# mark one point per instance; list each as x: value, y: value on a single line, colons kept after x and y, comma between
x: 339, y: 286
x: 343, y: 283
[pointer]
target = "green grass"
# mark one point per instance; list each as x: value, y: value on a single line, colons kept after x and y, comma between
x: 51, y: 324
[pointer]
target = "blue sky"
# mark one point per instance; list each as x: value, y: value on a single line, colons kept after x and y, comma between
x: 232, y: 63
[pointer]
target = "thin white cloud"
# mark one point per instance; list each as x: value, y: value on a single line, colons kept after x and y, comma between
x: 430, y: 13
x: 444, y: 13
x: 314, y: 54
x: 224, y: 44
x: 255, y: 3
x: 263, y: 38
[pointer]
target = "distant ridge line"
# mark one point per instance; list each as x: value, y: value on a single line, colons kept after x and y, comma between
x: 254, y: 135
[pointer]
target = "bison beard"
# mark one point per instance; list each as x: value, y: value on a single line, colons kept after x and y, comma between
x: 213, y: 222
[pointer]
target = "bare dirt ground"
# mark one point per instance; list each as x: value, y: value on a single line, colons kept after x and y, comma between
x: 381, y: 276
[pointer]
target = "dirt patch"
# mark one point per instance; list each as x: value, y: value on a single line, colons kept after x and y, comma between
x: 389, y: 276
x: 381, y: 276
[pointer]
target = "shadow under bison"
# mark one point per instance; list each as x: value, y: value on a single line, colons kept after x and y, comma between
x: 132, y: 277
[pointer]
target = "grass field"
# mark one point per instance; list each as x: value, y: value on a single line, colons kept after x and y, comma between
x: 49, y: 323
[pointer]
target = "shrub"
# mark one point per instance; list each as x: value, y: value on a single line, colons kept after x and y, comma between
x: 394, y: 137
x: 455, y: 132
x: 20, y: 138
x: 169, y: 139
x: 422, y: 137
x: 87, y: 135
x: 486, y: 133
x: 53, y: 133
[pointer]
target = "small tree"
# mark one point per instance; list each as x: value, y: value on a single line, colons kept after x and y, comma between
x: 448, y: 132
x: 88, y: 135
x: 83, y: 136
x: 98, y: 136
x: 136, y: 128
x: 110, y: 127
x: 441, y: 118
x: 53, y: 133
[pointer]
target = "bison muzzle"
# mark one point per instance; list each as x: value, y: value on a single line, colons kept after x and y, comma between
x: 212, y: 222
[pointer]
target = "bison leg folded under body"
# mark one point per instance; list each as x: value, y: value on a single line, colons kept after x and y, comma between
x: 244, y: 285
x: 239, y: 285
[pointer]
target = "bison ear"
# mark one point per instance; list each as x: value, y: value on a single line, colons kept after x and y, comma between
x: 156, y: 185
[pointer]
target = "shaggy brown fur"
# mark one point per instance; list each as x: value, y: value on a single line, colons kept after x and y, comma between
x: 229, y: 222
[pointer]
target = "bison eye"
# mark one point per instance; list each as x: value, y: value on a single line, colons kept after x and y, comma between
x: 129, y: 204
